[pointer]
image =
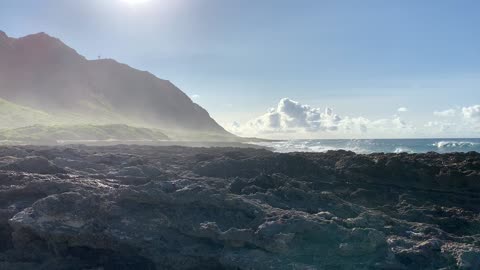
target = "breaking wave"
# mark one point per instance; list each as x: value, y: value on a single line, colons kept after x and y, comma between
x: 365, y: 146
x: 403, y: 150
x: 456, y: 144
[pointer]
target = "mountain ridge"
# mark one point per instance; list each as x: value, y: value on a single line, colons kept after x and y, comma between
x: 43, y: 73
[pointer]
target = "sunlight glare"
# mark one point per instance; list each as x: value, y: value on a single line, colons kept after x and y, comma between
x: 135, y: 2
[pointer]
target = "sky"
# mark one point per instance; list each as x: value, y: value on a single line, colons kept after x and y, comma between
x: 284, y: 68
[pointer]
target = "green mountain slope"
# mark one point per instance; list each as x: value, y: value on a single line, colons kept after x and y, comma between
x: 57, y: 133
x: 13, y: 115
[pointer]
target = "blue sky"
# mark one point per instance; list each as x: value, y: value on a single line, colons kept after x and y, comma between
x: 239, y: 58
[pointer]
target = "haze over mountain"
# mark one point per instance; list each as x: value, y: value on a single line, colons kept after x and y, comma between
x: 44, y: 79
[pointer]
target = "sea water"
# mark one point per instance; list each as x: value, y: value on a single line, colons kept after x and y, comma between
x: 376, y: 145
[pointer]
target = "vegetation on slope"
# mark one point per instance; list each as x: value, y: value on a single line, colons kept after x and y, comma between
x: 59, y: 133
x: 13, y: 115
x: 24, y: 124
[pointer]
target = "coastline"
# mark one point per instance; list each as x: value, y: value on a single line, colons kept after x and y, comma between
x: 171, y: 207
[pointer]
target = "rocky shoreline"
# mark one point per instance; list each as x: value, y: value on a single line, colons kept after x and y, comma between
x: 151, y: 207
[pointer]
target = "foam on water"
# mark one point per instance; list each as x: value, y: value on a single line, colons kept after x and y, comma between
x: 455, y: 144
x: 376, y: 145
x: 403, y: 150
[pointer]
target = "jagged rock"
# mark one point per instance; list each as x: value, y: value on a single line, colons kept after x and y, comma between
x: 34, y: 164
x: 145, y: 207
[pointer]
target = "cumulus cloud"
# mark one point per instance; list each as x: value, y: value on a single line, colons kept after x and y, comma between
x: 440, y: 127
x: 459, y: 122
x: 195, y: 96
x: 471, y: 113
x: 292, y: 117
x: 445, y: 113
x: 402, y: 109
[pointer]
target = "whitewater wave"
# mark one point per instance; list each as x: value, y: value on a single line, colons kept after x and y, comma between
x: 455, y: 144
x: 295, y: 146
x: 399, y: 150
x: 309, y: 146
x: 366, y: 146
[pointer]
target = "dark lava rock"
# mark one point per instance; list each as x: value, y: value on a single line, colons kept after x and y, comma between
x: 34, y: 164
x: 145, y: 207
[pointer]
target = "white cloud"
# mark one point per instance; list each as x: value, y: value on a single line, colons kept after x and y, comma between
x: 402, y: 109
x: 195, y: 96
x: 290, y: 115
x: 464, y: 122
x: 445, y: 113
x: 440, y: 127
x: 290, y: 118
x: 471, y: 113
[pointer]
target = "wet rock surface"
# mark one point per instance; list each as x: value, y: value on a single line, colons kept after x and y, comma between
x: 145, y: 207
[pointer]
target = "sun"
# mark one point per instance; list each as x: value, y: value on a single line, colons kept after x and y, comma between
x: 135, y: 2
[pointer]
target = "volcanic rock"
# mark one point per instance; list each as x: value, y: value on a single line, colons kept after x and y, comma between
x: 146, y: 207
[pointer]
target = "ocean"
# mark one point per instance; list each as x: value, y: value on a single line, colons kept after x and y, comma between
x: 365, y: 146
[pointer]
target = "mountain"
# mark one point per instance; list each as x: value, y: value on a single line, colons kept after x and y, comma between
x: 40, y: 73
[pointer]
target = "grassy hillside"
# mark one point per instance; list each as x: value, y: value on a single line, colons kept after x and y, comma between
x: 57, y: 133
x: 13, y: 115
x: 27, y: 125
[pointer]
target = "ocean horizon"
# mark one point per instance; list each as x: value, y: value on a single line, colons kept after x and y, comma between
x: 366, y: 146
